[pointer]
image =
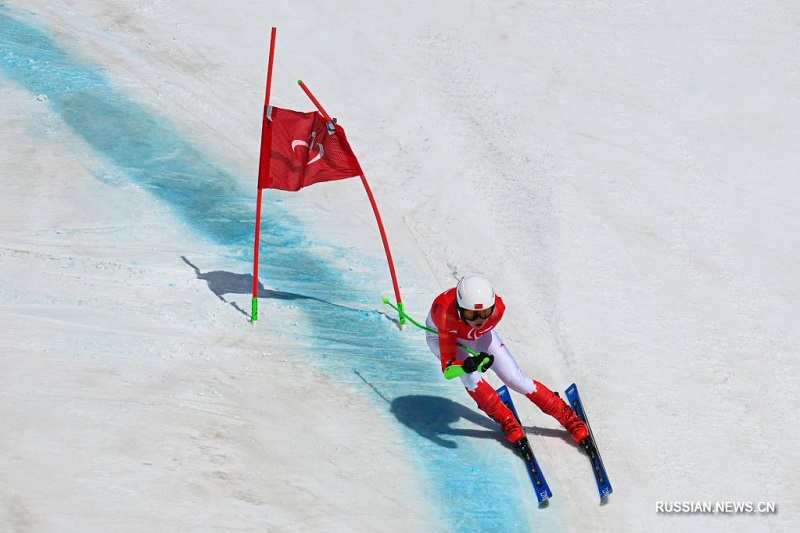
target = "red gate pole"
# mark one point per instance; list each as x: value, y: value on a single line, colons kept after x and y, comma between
x: 263, y: 172
x: 374, y: 210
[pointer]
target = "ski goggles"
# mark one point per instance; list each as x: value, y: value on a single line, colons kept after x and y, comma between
x: 476, y: 314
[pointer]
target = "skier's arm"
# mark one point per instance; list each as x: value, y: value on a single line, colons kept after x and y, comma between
x: 448, y: 348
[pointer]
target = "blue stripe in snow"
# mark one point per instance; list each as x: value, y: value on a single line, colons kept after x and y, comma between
x: 472, y: 478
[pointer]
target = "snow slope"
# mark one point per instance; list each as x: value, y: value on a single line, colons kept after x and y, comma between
x: 626, y: 174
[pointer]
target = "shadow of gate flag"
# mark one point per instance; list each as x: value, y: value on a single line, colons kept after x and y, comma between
x: 304, y: 150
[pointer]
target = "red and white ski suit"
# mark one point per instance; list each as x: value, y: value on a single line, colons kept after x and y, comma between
x: 444, y: 318
x: 452, y: 331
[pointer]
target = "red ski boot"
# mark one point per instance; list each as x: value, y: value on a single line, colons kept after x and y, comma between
x: 489, y: 402
x: 550, y: 403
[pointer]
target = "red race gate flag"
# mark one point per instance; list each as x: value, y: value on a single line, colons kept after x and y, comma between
x: 303, y: 151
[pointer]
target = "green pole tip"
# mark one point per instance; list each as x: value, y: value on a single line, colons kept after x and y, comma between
x: 299, y: 82
x: 386, y: 300
x: 254, y: 312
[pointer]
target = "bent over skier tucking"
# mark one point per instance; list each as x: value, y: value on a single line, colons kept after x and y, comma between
x: 468, y: 314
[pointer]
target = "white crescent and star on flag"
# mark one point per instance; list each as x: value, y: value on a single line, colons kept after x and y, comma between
x: 320, y: 149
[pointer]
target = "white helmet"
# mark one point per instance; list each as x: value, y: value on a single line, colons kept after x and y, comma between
x: 474, y: 293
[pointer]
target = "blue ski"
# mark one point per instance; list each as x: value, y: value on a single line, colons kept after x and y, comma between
x: 590, y: 446
x: 543, y: 492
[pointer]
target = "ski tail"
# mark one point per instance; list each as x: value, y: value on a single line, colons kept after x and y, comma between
x: 590, y: 445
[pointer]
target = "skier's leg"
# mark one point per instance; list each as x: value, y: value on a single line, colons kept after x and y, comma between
x: 507, y: 369
x: 490, y: 403
x: 550, y: 403
x: 484, y: 395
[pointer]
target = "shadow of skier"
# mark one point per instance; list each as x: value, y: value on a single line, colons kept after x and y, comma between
x: 432, y: 417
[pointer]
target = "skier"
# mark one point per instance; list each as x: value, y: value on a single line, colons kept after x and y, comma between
x: 468, y: 314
